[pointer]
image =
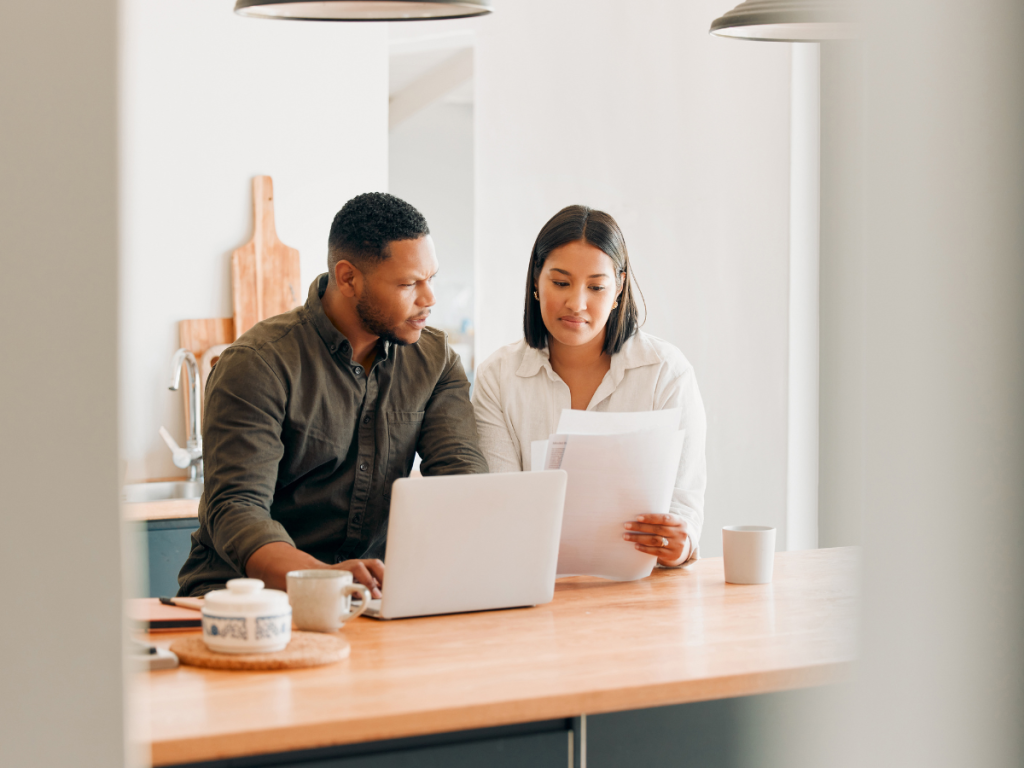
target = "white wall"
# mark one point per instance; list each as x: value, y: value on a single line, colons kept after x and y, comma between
x: 209, y: 100
x: 684, y: 138
x: 60, y: 559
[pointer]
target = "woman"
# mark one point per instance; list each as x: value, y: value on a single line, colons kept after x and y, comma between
x: 583, y: 349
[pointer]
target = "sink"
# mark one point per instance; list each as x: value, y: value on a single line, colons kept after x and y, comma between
x: 138, y: 493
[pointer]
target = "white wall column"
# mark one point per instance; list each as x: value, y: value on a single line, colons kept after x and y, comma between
x: 804, y: 246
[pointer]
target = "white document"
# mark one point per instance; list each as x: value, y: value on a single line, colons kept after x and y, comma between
x: 598, y: 423
x: 612, y: 479
x: 538, y: 451
x: 604, y: 423
x: 555, y: 451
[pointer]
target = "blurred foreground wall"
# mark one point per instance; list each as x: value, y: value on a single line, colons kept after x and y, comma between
x: 943, y: 384
x: 922, y: 442
x: 60, y: 553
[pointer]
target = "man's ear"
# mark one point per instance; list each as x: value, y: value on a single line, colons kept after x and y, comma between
x: 348, y: 278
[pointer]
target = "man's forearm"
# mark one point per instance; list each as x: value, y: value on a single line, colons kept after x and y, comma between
x: 271, y: 563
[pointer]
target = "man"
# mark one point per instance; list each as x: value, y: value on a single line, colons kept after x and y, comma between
x: 310, y: 416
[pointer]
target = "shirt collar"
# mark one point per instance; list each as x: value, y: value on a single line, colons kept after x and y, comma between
x: 532, y: 362
x: 333, y: 339
x: 637, y: 351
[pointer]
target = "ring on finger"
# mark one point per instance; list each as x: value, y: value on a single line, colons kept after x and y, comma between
x: 664, y: 542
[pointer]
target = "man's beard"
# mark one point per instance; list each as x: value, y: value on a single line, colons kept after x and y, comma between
x: 376, y: 322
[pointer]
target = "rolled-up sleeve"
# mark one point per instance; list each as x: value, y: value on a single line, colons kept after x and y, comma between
x: 242, y: 448
x: 448, y: 442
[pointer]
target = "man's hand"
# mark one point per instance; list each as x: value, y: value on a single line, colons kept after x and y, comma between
x: 369, y: 573
x: 660, y: 535
x: 271, y: 564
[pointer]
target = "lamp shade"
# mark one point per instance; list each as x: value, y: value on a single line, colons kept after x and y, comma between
x: 362, y: 10
x: 791, y: 21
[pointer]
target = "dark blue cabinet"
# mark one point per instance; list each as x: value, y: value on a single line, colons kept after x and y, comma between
x: 546, y: 744
x: 167, y: 544
x: 728, y: 733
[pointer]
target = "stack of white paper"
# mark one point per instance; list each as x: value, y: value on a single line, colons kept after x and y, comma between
x: 620, y: 465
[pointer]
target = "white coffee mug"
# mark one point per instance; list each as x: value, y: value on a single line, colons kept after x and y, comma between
x: 749, y: 553
x: 322, y: 599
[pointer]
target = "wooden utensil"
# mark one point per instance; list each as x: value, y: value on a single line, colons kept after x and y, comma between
x: 191, y: 603
x: 265, y: 276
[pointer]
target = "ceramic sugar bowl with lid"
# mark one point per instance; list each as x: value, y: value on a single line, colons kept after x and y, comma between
x: 246, y: 618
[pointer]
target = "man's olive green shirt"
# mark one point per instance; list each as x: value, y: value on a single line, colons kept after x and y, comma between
x: 301, y: 445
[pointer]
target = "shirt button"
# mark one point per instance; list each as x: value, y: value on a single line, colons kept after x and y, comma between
x: 363, y: 467
x: 366, y: 419
x: 333, y: 347
x: 358, y: 370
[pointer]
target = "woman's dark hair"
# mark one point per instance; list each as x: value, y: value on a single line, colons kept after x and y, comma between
x: 596, y: 228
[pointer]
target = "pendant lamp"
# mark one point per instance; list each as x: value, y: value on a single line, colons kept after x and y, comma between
x: 362, y: 10
x: 791, y: 21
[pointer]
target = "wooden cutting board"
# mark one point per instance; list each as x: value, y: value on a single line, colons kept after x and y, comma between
x: 197, y: 336
x: 265, y: 276
x: 264, y: 281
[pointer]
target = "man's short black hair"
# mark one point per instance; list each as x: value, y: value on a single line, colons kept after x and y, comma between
x: 362, y: 229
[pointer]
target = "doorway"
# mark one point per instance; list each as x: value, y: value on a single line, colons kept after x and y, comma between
x: 430, y: 146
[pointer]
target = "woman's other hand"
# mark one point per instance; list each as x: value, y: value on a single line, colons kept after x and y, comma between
x: 661, y: 536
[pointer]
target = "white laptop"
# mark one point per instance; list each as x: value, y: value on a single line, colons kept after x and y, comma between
x: 463, y: 543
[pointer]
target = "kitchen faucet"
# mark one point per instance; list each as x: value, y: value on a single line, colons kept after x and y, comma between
x: 191, y: 455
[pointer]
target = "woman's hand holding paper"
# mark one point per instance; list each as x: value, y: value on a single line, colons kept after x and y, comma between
x: 661, y: 536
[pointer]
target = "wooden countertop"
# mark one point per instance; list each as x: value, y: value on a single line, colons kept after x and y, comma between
x: 170, y: 509
x: 678, y: 636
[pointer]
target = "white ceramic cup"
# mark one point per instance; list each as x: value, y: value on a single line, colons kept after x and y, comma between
x: 749, y: 553
x: 322, y: 599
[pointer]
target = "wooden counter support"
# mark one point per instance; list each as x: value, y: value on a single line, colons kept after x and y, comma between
x: 679, y: 636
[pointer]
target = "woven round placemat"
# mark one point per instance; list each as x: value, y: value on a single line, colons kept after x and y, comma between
x: 306, y: 649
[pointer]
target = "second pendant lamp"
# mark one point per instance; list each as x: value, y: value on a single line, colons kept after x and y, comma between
x: 362, y: 10
x: 793, y: 21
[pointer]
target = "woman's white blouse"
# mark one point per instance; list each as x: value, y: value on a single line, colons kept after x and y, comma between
x: 518, y: 398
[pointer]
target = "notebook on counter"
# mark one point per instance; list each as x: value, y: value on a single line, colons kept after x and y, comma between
x: 150, y: 615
